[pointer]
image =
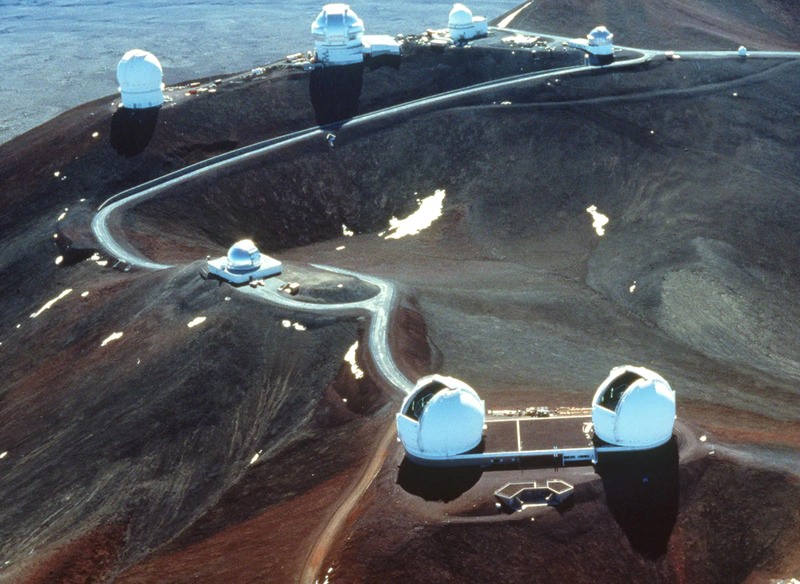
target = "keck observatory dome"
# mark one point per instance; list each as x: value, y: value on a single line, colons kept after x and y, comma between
x: 441, y: 417
x: 337, y: 33
x: 140, y: 80
x: 634, y: 407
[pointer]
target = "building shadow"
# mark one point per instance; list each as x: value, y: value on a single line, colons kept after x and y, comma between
x: 335, y: 92
x: 132, y: 129
x: 442, y: 483
x: 642, y: 493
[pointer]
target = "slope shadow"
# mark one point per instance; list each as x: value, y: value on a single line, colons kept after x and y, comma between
x: 132, y: 129
x: 437, y: 483
x: 642, y: 492
x: 335, y: 92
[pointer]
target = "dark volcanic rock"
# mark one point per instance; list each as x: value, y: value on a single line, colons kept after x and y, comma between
x: 140, y: 454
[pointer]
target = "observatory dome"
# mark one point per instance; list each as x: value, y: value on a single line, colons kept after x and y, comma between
x: 464, y: 26
x: 441, y: 417
x: 140, y: 78
x: 460, y: 17
x: 337, y: 33
x: 460, y: 23
x: 634, y: 407
x: 243, y: 256
x: 600, y: 37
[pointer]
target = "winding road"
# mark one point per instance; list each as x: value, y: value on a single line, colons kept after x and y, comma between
x: 380, y: 306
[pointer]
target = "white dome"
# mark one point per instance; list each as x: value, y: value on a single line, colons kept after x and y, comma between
x: 600, y: 36
x: 460, y: 17
x: 140, y: 78
x: 243, y: 256
x: 337, y: 24
x: 337, y: 33
x: 441, y: 417
x: 634, y: 407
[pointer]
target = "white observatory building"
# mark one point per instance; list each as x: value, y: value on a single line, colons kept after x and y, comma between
x: 140, y: 80
x: 599, y: 43
x: 339, y: 37
x: 243, y: 264
x: 441, y: 418
x: 634, y: 408
x: 337, y: 33
x: 465, y: 27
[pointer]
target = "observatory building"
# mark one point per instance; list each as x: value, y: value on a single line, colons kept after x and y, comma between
x: 635, y: 408
x: 599, y: 45
x: 243, y: 264
x: 337, y: 33
x: 442, y: 421
x: 441, y: 418
x: 140, y: 80
x: 465, y: 27
x: 339, y: 37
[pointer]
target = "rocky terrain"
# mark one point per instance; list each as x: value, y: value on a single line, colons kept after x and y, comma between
x: 219, y: 452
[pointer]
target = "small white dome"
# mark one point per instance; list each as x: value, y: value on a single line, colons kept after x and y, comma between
x: 460, y: 17
x: 634, y: 407
x: 140, y: 79
x: 336, y: 24
x: 600, y: 36
x: 441, y: 417
x: 742, y: 51
x: 243, y: 256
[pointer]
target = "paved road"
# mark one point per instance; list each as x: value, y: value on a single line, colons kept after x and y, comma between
x: 381, y: 305
x: 163, y: 185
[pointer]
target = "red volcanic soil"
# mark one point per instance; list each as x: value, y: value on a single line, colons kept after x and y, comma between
x: 135, y: 461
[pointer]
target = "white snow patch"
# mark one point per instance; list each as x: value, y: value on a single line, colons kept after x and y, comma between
x: 194, y: 322
x: 3, y: 454
x: 430, y: 209
x: 347, y: 232
x: 340, y: 248
x: 632, y: 287
x: 84, y: 294
x: 47, y: 305
x: 59, y: 259
x: 599, y: 221
x: 350, y: 357
x: 254, y: 459
x: 112, y: 337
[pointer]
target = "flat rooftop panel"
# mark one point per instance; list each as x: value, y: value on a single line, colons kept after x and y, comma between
x: 501, y: 436
x: 525, y: 434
